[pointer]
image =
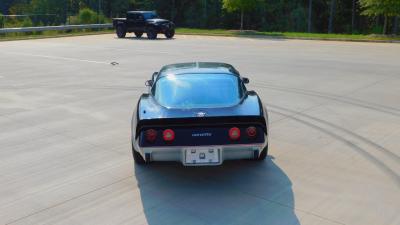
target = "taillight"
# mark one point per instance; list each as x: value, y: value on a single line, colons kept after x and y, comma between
x: 234, y: 133
x: 168, y: 135
x: 251, y: 132
x: 151, y: 135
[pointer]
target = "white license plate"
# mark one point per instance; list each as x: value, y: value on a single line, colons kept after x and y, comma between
x: 202, y: 156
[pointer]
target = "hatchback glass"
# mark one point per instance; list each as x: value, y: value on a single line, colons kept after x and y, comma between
x: 198, y: 90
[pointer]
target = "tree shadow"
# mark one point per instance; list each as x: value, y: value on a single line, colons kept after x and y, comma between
x: 238, y: 192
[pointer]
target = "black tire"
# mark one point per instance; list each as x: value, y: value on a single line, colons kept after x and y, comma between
x: 170, y: 33
x: 263, y: 154
x: 151, y: 33
x: 138, y: 34
x: 121, y: 31
x: 137, y: 157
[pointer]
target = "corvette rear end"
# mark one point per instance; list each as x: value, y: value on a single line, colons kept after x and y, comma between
x: 199, y: 114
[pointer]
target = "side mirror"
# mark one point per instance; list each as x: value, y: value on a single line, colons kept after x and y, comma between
x: 245, y: 80
x: 149, y: 83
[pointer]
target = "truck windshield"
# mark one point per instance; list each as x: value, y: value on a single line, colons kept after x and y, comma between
x: 150, y: 15
x: 198, y: 90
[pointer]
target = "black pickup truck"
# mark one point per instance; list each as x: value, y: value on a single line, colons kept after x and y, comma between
x: 140, y: 22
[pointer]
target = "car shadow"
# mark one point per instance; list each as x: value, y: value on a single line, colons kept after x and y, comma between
x: 238, y: 192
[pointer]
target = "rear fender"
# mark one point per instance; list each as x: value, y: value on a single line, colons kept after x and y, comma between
x: 148, y: 113
x: 117, y: 23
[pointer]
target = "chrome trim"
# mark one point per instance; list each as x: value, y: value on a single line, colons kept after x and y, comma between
x: 205, y: 146
x: 176, y: 153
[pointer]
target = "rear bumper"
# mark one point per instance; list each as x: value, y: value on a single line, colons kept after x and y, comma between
x: 177, y: 153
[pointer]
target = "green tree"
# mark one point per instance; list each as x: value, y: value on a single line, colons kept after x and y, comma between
x: 1, y: 20
x: 280, y: 15
x: 27, y: 22
x: 242, y: 6
x: 353, y: 14
x: 331, y: 15
x: 87, y: 16
x: 54, y: 11
x: 118, y: 8
x: 309, y: 20
x: 20, y: 8
x: 385, y: 8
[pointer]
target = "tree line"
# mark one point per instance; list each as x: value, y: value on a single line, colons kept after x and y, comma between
x: 322, y: 16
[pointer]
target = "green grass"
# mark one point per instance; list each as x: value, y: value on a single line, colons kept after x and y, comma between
x: 51, y: 34
x: 291, y: 35
x: 218, y: 32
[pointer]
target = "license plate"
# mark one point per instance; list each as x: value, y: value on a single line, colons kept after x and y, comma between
x: 202, y: 156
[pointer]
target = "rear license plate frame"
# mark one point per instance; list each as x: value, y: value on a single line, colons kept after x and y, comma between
x: 197, y: 156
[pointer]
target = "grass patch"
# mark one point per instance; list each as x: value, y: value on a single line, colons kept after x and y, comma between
x: 290, y: 35
x: 52, y: 34
x: 217, y: 32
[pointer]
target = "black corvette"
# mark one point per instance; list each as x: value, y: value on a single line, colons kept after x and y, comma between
x: 199, y: 114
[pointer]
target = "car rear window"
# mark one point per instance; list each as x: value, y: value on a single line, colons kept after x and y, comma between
x: 198, y: 90
x: 150, y: 15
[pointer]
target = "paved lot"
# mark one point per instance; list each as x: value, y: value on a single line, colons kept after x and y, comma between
x: 65, y: 155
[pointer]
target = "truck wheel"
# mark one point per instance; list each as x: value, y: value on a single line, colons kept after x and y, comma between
x: 138, y: 34
x: 170, y: 33
x: 137, y: 157
x: 121, y: 31
x: 263, y: 154
x: 151, y: 33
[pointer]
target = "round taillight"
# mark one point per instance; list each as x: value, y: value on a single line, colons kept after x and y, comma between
x: 234, y: 133
x: 151, y: 135
x: 251, y: 132
x: 168, y: 135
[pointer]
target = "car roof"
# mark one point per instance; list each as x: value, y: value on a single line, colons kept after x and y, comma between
x: 141, y: 11
x: 198, y: 68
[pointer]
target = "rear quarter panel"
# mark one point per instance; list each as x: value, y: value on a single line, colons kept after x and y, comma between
x: 119, y: 21
x: 148, y: 113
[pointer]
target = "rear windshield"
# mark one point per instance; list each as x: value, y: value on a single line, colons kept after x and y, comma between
x: 198, y: 90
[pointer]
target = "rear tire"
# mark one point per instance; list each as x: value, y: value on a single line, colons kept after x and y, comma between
x: 151, y: 33
x: 137, y: 157
x: 138, y: 34
x: 263, y: 154
x: 170, y: 33
x: 121, y: 31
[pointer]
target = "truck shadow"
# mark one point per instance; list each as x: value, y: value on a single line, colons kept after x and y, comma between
x: 145, y: 39
x: 239, y: 192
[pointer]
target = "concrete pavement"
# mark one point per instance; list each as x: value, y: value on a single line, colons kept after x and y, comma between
x: 65, y: 155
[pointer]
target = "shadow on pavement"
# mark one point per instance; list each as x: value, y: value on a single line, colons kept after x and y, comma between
x: 238, y: 192
x: 144, y: 38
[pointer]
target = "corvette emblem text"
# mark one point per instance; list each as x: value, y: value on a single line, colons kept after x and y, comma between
x: 202, y: 135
